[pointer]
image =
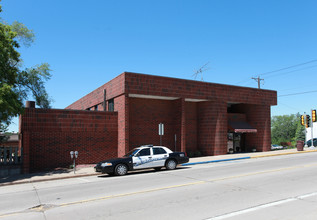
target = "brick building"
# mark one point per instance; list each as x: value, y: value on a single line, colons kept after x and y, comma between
x: 201, y: 115
x: 126, y: 111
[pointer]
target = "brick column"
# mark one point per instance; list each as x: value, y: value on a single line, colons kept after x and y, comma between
x: 122, y: 106
x: 183, y: 125
x: 212, y: 128
x: 259, y: 116
x: 25, y: 143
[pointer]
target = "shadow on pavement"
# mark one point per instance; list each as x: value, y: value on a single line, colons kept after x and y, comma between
x: 140, y: 172
x: 20, y: 177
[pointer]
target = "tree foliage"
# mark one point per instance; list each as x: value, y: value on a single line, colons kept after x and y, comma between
x: 286, y: 128
x: 16, y: 84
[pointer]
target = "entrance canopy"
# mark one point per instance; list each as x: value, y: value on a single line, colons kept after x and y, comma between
x: 241, y: 127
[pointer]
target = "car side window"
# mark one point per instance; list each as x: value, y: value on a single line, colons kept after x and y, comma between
x: 144, y: 152
x: 158, y: 150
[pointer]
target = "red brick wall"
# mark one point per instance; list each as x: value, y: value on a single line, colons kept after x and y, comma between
x: 212, y: 128
x: 171, y: 87
x: 48, y: 136
x: 191, y: 127
x: 211, y: 124
x: 144, y: 118
x: 259, y: 116
x: 121, y: 105
x: 113, y: 88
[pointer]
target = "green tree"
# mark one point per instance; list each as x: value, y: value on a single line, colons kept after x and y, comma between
x: 16, y: 84
x: 300, y: 130
x: 283, y: 128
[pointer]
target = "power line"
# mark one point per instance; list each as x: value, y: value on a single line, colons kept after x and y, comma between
x: 288, y: 106
x: 299, y: 93
x: 289, y: 67
x: 296, y: 88
x: 291, y: 71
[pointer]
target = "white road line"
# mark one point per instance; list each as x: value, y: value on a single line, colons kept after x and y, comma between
x: 252, y: 209
x: 307, y: 195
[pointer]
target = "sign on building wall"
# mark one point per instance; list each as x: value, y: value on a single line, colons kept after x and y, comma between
x: 161, y: 129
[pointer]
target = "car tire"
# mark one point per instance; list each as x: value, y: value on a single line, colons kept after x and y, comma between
x: 157, y: 168
x: 171, y: 164
x: 121, y: 169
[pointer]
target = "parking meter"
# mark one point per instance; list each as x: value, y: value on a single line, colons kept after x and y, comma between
x: 74, y: 155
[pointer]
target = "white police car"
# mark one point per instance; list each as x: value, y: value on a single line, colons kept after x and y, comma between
x: 144, y: 157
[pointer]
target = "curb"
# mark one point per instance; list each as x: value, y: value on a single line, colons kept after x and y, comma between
x: 43, y: 180
x: 281, y: 154
x: 251, y: 157
x: 215, y: 161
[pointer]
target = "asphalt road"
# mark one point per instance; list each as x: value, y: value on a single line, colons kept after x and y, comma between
x: 281, y: 187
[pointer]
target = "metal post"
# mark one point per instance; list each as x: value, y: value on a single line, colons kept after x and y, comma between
x: 305, y: 126
x: 175, y: 142
x: 104, y: 100
x: 74, y: 165
x: 312, y: 129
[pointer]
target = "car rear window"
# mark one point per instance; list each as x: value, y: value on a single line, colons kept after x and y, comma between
x: 158, y: 150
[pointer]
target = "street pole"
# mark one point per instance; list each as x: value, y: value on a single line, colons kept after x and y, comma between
x: 74, y: 166
x: 312, y: 129
x: 305, y: 126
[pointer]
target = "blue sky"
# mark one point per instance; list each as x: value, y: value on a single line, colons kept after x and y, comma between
x: 87, y: 43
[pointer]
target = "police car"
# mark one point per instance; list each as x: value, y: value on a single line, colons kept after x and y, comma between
x: 144, y: 157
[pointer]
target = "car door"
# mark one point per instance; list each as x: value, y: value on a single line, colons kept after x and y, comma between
x: 159, y: 157
x: 143, y: 159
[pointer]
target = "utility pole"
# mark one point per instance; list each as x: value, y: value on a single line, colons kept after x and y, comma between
x: 305, y: 127
x: 312, y: 129
x: 258, y: 80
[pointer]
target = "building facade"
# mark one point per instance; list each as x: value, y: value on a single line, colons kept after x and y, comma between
x: 210, y: 118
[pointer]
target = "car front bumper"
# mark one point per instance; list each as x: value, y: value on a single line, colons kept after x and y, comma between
x: 100, y: 169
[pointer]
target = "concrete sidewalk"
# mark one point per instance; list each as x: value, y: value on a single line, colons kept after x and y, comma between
x: 88, y: 170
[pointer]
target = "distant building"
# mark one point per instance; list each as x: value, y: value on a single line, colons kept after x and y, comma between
x: 10, y: 140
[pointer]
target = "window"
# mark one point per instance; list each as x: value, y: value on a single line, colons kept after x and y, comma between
x: 110, y: 105
x: 158, y: 150
x: 96, y: 107
x: 144, y: 152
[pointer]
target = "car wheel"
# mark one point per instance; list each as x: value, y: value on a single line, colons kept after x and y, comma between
x: 121, y: 169
x: 171, y: 164
x: 157, y: 168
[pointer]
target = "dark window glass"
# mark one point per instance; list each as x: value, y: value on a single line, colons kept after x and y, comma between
x: 158, y: 150
x: 110, y: 105
x: 96, y: 107
x: 144, y: 152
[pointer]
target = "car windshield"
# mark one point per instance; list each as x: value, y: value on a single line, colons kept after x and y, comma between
x: 131, y: 153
